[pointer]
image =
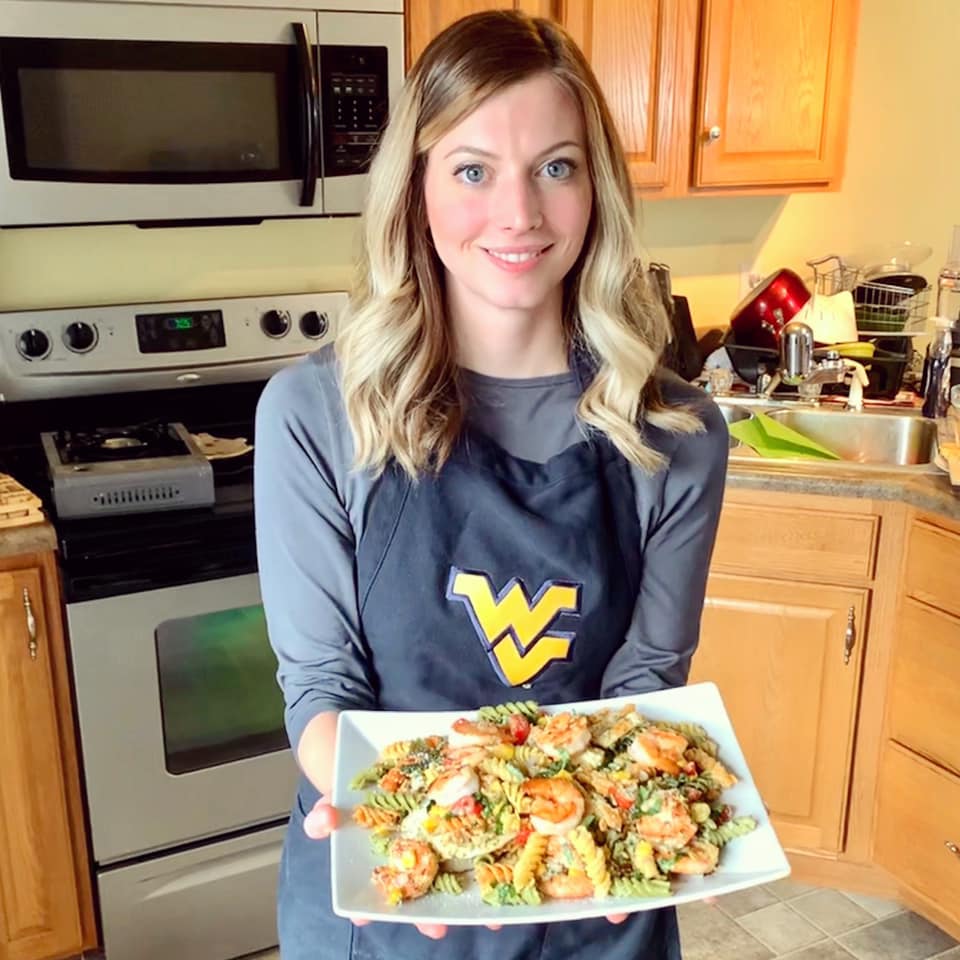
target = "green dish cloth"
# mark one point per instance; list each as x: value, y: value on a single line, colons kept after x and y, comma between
x: 772, y: 439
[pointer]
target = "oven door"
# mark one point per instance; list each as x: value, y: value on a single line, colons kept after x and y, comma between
x: 181, y: 718
x: 132, y: 112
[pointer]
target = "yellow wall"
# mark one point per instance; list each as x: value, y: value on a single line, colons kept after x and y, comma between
x: 902, y: 182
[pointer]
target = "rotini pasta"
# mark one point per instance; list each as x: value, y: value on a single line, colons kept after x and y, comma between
x: 593, y: 859
x: 529, y: 860
x: 490, y: 874
x: 610, y: 804
x: 447, y: 883
x: 368, y: 816
x: 527, y: 708
x: 403, y: 802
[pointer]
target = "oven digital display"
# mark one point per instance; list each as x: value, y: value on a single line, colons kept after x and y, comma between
x: 173, y: 332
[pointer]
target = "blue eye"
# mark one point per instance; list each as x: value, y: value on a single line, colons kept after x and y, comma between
x: 559, y: 169
x: 470, y: 173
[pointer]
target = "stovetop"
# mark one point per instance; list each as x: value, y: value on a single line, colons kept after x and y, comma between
x: 108, y: 444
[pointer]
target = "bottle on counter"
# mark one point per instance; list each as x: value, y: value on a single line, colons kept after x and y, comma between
x: 937, y: 370
x: 948, y: 282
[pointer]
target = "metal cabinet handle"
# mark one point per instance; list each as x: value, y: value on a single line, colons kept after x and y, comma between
x: 952, y: 847
x: 713, y: 134
x: 849, y: 635
x: 31, y: 624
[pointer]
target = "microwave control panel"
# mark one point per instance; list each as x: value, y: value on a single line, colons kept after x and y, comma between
x: 353, y: 103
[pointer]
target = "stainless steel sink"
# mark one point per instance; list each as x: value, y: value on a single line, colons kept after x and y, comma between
x: 734, y: 414
x: 886, y: 439
x: 860, y: 437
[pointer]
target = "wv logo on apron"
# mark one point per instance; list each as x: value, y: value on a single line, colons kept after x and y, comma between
x: 515, y: 630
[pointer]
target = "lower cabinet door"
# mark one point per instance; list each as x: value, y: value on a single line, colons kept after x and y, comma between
x: 39, y: 916
x: 786, y: 657
x: 917, y: 835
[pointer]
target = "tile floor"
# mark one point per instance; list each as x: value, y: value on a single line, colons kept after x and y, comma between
x: 787, y: 919
x: 790, y: 920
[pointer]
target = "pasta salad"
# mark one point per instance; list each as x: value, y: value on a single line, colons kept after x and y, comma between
x: 532, y: 806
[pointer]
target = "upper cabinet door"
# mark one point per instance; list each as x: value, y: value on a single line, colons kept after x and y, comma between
x: 774, y: 79
x: 642, y: 52
x: 424, y: 19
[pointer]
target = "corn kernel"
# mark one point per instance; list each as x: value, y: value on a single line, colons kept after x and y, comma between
x: 395, y: 896
x: 408, y: 860
x: 504, y: 751
x: 620, y: 775
x: 644, y: 848
x: 430, y: 824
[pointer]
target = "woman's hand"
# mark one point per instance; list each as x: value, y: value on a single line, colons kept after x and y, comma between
x: 321, y: 821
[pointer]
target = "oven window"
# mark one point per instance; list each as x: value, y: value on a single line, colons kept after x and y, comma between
x: 218, y: 690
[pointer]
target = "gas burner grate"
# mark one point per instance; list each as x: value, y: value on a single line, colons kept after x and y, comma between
x: 107, y: 444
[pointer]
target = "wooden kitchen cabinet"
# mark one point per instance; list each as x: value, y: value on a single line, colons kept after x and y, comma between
x: 45, y: 901
x: 774, y: 78
x: 786, y: 657
x: 771, y: 81
x: 917, y: 835
x: 424, y: 19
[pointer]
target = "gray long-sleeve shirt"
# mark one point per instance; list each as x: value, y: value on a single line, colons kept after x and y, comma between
x: 311, y: 509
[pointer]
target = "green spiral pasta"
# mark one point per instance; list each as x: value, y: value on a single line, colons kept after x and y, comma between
x: 638, y: 887
x: 507, y: 895
x: 366, y: 777
x: 500, y: 712
x: 729, y: 831
x: 380, y: 842
x: 447, y: 883
x: 402, y: 802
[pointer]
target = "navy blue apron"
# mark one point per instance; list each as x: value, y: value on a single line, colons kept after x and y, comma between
x: 498, y: 579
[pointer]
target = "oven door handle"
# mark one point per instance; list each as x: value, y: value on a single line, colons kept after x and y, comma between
x: 309, y: 114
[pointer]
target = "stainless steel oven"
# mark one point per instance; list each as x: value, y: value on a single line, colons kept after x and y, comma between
x: 187, y: 770
x: 157, y: 113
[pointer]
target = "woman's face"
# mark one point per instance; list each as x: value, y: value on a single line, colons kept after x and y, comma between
x: 508, y: 199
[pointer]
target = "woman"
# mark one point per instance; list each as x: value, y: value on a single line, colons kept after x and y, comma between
x: 492, y: 415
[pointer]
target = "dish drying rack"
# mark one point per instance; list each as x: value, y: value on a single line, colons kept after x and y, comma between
x: 882, y: 310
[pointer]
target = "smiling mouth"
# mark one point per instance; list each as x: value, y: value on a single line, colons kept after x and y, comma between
x: 520, y: 257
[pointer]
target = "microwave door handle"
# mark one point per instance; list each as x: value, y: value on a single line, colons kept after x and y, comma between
x: 308, y: 106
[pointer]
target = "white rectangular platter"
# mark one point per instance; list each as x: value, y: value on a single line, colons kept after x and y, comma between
x: 744, y: 862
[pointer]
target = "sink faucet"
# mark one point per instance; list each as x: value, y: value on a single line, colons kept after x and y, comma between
x: 798, y: 366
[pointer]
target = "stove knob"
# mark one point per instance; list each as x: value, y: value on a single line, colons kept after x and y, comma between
x: 275, y: 323
x: 80, y: 337
x: 314, y: 325
x: 33, y: 344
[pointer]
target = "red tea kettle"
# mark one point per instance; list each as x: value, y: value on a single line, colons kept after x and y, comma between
x: 758, y: 319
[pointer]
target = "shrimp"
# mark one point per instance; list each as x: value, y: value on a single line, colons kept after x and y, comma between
x: 410, y: 871
x: 562, y: 733
x: 671, y: 826
x: 561, y: 874
x: 464, y: 756
x: 556, y: 804
x: 699, y: 858
x: 659, y: 749
x: 478, y: 733
x: 453, y: 785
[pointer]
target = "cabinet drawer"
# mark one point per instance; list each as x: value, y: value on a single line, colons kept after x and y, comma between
x: 925, y: 684
x: 918, y: 826
x: 931, y: 572
x: 778, y: 541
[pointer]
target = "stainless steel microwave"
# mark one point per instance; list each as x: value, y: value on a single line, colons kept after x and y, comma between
x: 157, y: 113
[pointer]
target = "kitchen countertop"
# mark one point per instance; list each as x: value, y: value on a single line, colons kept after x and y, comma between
x: 925, y: 491
x: 33, y: 538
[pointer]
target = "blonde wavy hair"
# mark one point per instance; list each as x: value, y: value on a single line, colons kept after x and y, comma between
x: 398, y: 369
